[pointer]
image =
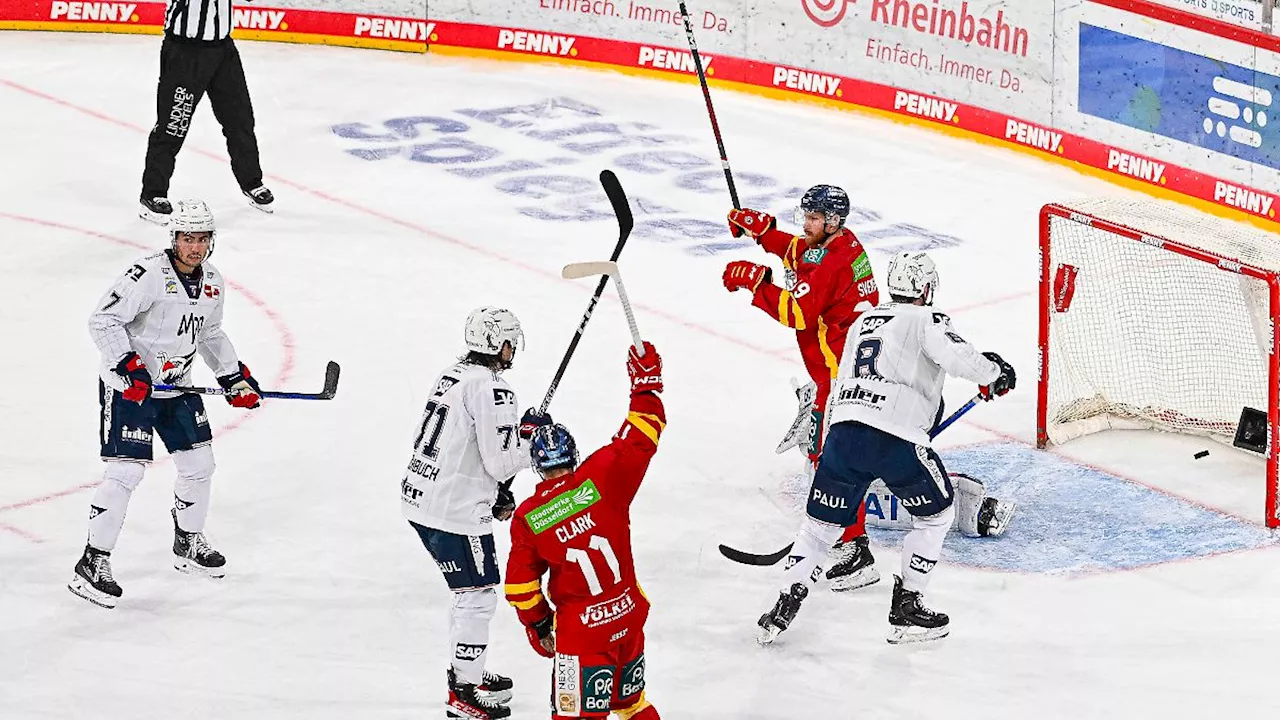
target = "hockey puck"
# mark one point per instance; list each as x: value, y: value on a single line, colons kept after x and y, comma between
x: 1201, y: 454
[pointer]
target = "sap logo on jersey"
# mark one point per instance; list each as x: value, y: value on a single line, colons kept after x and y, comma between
x: 101, y: 11
x: 607, y: 611
x: 828, y: 500
x: 542, y: 43
x: 462, y: 651
x: 873, y: 323
x: 574, y: 528
x: 921, y: 565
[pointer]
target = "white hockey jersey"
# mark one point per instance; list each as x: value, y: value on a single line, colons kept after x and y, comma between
x: 467, y: 443
x: 151, y: 311
x: 895, y: 361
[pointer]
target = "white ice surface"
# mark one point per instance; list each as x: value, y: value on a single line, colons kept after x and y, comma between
x: 331, y: 608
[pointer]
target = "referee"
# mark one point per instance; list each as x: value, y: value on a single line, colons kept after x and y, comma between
x: 199, y: 57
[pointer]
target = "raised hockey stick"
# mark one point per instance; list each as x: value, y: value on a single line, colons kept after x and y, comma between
x: 622, y: 210
x: 746, y: 558
x: 711, y: 111
x: 330, y: 388
x: 610, y: 269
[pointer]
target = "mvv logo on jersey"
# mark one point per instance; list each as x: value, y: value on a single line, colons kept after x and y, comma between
x: 192, y: 324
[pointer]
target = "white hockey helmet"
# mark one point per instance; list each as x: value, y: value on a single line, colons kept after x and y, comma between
x: 191, y: 216
x: 489, y: 327
x: 913, y: 275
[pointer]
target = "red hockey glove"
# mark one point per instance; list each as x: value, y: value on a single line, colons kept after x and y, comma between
x: 741, y: 274
x: 245, y: 386
x: 532, y: 420
x: 542, y: 637
x: 750, y: 222
x: 645, y: 372
x: 1007, y: 380
x: 132, y: 369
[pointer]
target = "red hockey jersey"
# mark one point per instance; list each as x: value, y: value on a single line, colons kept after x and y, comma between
x: 834, y: 285
x: 578, y: 527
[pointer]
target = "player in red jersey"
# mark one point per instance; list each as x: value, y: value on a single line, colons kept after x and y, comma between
x: 577, y: 526
x: 833, y: 286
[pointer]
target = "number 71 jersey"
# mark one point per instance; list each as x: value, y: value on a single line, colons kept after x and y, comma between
x: 466, y: 443
x: 578, y: 527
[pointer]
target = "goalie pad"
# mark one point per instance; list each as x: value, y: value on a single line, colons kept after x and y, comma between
x: 885, y: 511
x: 802, y: 425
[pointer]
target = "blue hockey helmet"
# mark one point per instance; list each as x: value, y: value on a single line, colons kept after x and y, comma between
x: 552, y: 448
x: 831, y: 201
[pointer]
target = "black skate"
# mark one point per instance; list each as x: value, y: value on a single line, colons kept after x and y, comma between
x: 994, y: 516
x: 261, y: 198
x: 853, y: 565
x: 468, y: 702
x: 779, y: 618
x: 192, y: 554
x: 156, y: 210
x: 93, y: 580
x: 496, y: 687
x: 910, y: 621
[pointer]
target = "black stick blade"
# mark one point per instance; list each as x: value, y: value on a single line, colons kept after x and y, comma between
x: 331, y: 372
x: 621, y: 208
x: 747, y: 558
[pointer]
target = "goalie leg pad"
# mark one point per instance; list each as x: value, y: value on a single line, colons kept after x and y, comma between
x: 970, y: 493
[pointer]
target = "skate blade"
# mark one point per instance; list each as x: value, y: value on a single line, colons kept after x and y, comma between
x: 462, y: 712
x: 81, y: 587
x: 912, y: 634
x: 153, y: 217
x: 766, y: 635
x: 864, y: 577
x: 191, y: 567
x: 502, y: 697
x: 268, y: 209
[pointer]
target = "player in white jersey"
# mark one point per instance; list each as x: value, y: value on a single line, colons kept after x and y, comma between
x: 886, y: 397
x: 148, y: 328
x: 467, y: 450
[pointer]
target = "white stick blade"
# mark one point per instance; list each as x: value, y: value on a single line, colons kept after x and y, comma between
x: 573, y: 271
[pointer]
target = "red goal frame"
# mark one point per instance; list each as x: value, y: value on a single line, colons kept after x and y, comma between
x: 1226, y: 264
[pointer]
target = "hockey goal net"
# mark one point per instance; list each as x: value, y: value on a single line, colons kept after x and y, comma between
x: 1154, y: 316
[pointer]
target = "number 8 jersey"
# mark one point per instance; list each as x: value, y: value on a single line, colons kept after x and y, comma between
x: 896, y: 359
x: 465, y: 445
x: 578, y: 527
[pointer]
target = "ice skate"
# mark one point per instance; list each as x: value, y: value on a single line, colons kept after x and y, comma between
x: 261, y: 198
x: 469, y: 702
x: 779, y: 618
x: 910, y: 621
x: 853, y: 565
x: 994, y: 516
x: 496, y: 687
x: 155, y: 210
x: 193, y: 555
x: 92, y: 580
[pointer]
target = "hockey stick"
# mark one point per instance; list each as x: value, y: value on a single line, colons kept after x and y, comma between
x: 711, y: 111
x: 746, y: 558
x: 330, y: 388
x: 608, y: 269
x: 621, y: 209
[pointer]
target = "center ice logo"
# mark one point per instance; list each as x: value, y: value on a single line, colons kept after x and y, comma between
x: 827, y: 13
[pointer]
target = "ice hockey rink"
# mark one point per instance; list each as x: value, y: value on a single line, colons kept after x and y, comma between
x: 1135, y: 582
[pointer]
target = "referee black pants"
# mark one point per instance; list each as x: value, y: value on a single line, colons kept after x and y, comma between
x: 189, y: 69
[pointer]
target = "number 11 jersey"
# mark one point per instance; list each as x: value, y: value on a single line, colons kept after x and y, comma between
x: 465, y: 445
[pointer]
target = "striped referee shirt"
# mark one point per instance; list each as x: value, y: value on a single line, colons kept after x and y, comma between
x: 198, y: 19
